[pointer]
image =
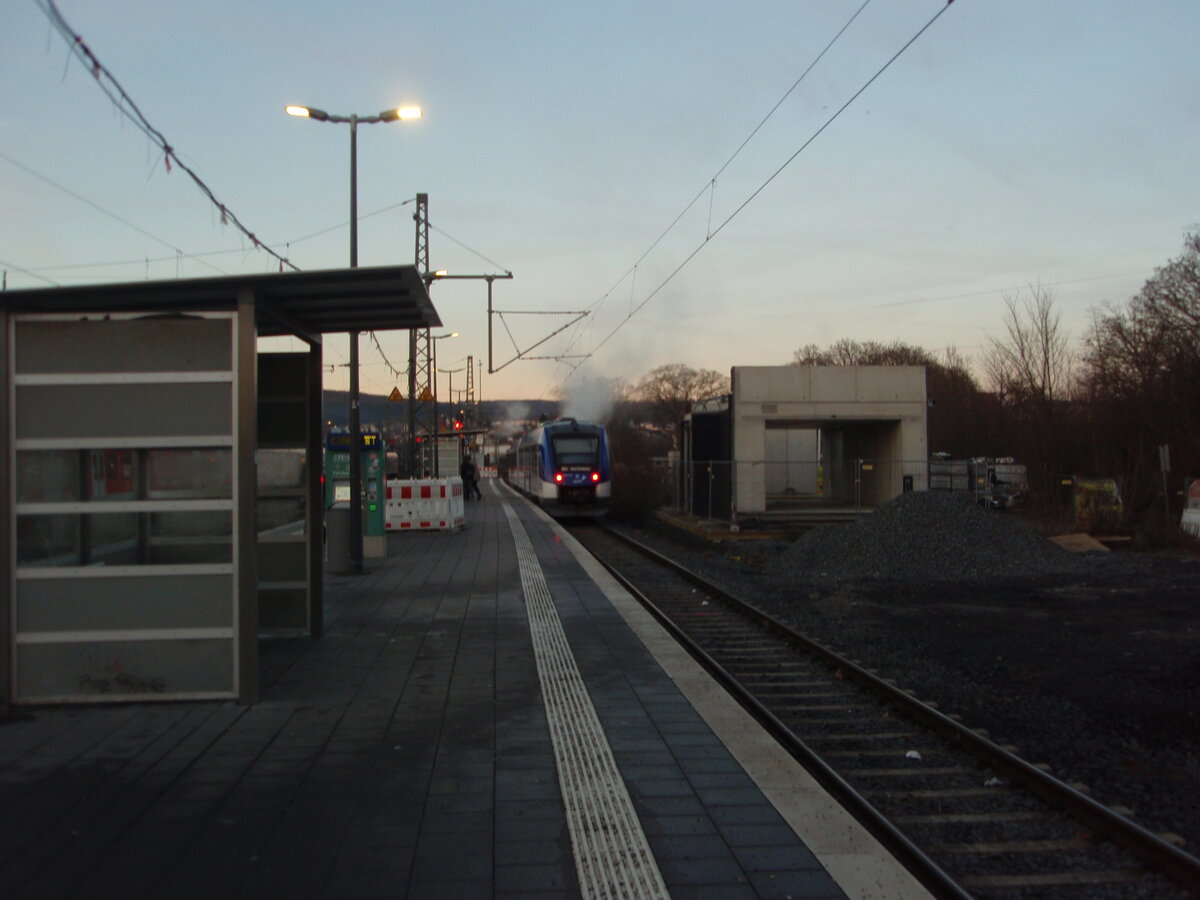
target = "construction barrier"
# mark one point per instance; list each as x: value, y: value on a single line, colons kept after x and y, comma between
x: 424, y: 504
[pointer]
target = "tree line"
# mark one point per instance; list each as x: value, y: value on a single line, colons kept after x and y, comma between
x: 1099, y: 407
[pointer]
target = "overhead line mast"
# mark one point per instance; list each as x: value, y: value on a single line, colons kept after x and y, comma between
x: 422, y: 416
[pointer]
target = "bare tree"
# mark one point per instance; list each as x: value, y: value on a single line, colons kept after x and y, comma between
x: 1142, y: 376
x: 1030, y: 370
x: 1032, y: 362
x: 671, y: 390
x: 961, y: 420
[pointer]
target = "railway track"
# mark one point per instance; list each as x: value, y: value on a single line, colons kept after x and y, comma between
x: 968, y: 817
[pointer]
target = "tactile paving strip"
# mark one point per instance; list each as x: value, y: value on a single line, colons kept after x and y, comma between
x: 612, y: 856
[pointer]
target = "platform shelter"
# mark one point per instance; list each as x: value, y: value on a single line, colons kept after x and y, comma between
x: 160, y: 477
x: 791, y: 435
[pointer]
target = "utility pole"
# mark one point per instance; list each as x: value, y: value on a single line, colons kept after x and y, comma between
x: 422, y: 389
x: 421, y: 411
x: 469, y: 393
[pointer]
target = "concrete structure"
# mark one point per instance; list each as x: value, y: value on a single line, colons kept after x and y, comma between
x: 160, y: 479
x: 849, y: 435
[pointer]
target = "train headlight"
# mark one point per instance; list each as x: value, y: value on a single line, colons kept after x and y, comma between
x: 558, y: 476
x: 595, y: 476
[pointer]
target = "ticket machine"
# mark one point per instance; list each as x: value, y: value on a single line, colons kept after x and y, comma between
x: 374, y: 473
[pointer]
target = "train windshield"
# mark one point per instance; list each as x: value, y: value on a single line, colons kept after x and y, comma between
x: 576, y: 449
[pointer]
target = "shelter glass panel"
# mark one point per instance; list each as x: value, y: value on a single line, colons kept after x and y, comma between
x: 135, y: 670
x: 158, y: 344
x: 48, y: 412
x: 125, y: 538
x: 191, y: 473
x: 124, y: 603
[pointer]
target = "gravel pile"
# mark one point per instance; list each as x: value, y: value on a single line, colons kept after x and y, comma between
x: 927, y: 536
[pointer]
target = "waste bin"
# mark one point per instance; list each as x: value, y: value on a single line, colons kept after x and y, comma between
x: 337, y: 538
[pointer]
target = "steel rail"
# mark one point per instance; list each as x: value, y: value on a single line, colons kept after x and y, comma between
x: 1164, y: 857
x: 916, y: 861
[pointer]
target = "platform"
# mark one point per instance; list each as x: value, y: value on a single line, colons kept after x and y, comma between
x: 488, y: 715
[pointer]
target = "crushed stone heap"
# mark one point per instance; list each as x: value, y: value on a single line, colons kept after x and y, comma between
x: 927, y: 536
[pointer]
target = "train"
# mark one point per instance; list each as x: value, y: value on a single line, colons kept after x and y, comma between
x: 564, y: 466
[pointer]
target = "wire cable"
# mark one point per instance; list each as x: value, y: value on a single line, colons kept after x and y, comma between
x: 107, y: 212
x: 767, y: 182
x: 387, y: 362
x: 710, y: 185
x: 16, y: 268
x: 452, y: 239
x: 108, y: 83
x: 345, y: 224
x: 157, y: 259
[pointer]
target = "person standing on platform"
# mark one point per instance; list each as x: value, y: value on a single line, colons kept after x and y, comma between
x: 467, y: 471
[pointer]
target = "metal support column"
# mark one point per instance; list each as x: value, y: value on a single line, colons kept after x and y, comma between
x: 314, y: 509
x: 356, y: 526
x: 7, y: 503
x: 246, y: 551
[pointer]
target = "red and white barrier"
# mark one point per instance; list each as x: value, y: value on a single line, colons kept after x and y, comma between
x: 424, y: 504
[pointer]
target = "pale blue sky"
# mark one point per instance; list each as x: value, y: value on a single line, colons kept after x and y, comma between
x: 1017, y: 141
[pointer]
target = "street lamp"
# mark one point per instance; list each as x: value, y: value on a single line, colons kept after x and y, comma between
x: 433, y: 361
x: 449, y: 373
x: 388, y: 115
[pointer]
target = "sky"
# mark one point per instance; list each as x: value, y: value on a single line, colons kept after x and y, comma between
x: 592, y: 150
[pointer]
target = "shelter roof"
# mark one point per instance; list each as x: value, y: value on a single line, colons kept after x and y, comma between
x: 379, y: 298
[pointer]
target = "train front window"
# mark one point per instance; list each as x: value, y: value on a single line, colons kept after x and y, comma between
x: 576, y: 449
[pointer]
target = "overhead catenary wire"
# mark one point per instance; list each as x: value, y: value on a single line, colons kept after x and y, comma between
x: 108, y: 212
x: 196, y: 256
x: 452, y: 239
x: 754, y: 194
x: 710, y: 185
x: 124, y: 104
x: 387, y: 362
x: 16, y: 268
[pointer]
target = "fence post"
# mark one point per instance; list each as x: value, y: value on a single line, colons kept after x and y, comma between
x: 858, y: 463
x: 733, y: 488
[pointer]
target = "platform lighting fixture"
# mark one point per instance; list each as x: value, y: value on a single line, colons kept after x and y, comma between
x: 388, y: 115
x: 433, y: 361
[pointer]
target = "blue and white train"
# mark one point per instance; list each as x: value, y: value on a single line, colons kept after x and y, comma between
x: 564, y: 466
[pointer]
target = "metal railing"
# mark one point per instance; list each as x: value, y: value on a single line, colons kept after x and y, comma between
x: 725, y: 489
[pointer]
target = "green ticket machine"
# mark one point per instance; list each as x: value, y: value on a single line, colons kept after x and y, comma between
x: 374, y: 488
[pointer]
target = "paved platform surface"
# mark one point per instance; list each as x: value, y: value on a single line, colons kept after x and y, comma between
x: 424, y: 748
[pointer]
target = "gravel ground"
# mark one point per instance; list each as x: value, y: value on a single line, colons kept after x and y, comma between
x: 1088, y: 662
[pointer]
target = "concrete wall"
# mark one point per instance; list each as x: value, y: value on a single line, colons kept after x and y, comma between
x: 791, y: 461
x: 872, y: 414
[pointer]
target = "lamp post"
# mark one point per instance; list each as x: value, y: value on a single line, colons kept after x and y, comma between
x: 433, y: 364
x: 388, y: 115
x: 449, y: 373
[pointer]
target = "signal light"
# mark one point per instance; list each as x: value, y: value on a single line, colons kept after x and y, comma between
x: 595, y: 476
x: 558, y: 476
